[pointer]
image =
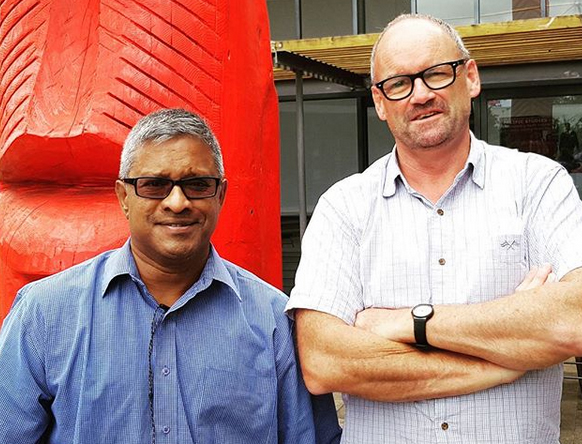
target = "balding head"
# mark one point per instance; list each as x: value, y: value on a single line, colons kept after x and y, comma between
x: 408, y: 31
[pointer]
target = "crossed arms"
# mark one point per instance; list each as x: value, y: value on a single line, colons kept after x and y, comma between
x: 478, y: 346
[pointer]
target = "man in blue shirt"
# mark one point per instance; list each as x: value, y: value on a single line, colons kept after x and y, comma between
x: 161, y: 340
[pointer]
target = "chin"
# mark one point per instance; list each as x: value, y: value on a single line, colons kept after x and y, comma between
x: 426, y: 144
x: 191, y: 253
x: 430, y: 140
x: 181, y: 254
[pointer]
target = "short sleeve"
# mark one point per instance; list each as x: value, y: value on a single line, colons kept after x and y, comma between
x: 328, y: 276
x: 554, y: 220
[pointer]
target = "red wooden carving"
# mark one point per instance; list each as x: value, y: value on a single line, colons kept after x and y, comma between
x: 75, y: 76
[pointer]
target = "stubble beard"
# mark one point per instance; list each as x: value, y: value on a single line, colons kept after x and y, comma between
x: 434, y: 136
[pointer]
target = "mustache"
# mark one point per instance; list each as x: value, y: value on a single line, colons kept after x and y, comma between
x: 431, y: 105
x: 182, y: 218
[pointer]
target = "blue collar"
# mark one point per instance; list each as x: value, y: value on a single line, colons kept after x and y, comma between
x: 122, y: 263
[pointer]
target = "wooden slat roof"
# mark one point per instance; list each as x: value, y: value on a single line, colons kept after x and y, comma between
x: 492, y: 44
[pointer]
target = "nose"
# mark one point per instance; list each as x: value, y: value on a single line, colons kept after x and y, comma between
x: 421, y: 93
x: 176, y: 201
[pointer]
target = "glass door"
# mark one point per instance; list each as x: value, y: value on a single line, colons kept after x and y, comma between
x: 548, y: 124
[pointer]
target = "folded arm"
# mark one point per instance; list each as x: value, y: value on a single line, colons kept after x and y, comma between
x: 337, y: 357
x: 536, y: 327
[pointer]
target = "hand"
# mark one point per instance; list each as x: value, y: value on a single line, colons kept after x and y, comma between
x: 393, y: 324
x: 537, y: 277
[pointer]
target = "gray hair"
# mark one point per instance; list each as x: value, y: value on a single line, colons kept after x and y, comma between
x: 163, y: 125
x: 448, y: 29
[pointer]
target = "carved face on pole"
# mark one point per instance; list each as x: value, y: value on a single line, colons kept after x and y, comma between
x: 75, y: 76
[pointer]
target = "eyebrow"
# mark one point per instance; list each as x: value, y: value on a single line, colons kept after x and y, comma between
x: 167, y: 175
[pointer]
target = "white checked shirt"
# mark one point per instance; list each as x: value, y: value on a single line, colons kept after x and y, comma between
x: 373, y: 241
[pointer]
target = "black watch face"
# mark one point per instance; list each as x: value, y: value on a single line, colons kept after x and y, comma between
x: 422, y: 310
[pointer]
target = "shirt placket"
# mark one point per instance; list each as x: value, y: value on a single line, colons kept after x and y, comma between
x: 165, y: 382
x: 441, y: 268
x: 440, y: 253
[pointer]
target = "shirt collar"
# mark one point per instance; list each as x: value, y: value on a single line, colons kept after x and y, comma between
x: 215, y: 269
x: 121, y: 262
x: 476, y: 159
x: 392, y: 172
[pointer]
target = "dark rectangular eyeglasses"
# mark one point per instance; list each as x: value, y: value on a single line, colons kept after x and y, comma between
x: 161, y: 187
x: 436, y: 77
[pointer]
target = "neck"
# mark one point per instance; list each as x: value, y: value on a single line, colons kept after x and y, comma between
x: 166, y: 283
x: 431, y: 171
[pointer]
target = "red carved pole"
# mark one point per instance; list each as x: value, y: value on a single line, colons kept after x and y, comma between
x: 75, y: 75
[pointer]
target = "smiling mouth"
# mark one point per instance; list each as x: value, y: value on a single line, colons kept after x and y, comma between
x: 177, y: 225
x: 426, y: 116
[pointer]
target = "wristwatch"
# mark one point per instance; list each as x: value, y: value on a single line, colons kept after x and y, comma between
x: 421, y: 313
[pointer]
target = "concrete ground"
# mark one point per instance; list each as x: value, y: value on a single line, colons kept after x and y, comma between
x: 571, y: 426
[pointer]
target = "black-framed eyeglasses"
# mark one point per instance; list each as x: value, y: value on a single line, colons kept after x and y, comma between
x: 436, y: 77
x: 161, y: 187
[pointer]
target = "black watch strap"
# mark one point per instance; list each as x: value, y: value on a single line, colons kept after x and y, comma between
x: 420, y: 315
x: 420, y: 333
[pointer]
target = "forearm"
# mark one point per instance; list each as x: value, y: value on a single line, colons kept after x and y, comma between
x: 527, y: 330
x: 341, y: 358
x: 533, y: 328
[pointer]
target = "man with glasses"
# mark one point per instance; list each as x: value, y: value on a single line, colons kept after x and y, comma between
x: 413, y: 295
x: 161, y: 340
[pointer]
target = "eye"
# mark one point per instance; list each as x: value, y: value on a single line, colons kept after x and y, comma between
x: 198, y: 184
x: 153, y: 183
x: 397, y: 84
x: 438, y: 73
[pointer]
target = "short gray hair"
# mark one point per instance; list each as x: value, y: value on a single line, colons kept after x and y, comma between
x: 163, y: 125
x: 448, y: 29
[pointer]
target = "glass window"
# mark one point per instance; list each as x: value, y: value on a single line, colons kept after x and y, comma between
x: 462, y: 12
x: 282, y: 19
x: 380, y: 12
x: 551, y: 126
x: 319, y: 18
x: 562, y: 7
x: 322, y: 18
x: 496, y: 11
x: 455, y: 12
x: 330, y: 149
x: 526, y: 9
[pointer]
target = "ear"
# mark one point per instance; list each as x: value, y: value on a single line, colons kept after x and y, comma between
x: 121, y: 192
x: 222, y: 191
x: 379, y: 103
x: 473, y: 79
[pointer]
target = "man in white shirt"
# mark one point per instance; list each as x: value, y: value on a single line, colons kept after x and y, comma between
x: 408, y: 296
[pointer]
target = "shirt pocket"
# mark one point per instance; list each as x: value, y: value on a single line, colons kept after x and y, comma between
x: 237, y: 407
x: 495, y: 269
x: 509, y: 248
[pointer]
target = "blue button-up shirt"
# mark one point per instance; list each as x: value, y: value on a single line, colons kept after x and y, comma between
x: 82, y: 351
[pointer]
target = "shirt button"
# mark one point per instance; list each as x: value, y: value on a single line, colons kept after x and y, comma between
x: 442, y: 261
x: 444, y: 426
x: 440, y: 212
x: 166, y: 429
x: 165, y: 371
